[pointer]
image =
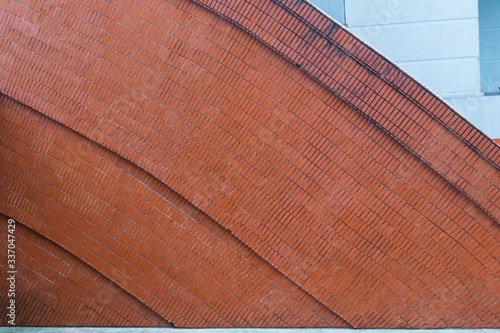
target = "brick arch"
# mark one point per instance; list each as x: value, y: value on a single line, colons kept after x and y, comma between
x: 325, y: 159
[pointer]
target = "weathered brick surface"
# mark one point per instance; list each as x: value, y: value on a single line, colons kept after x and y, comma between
x: 320, y: 156
x: 54, y: 288
x: 376, y: 88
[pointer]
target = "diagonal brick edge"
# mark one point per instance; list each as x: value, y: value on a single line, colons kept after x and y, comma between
x: 301, y: 273
x: 191, y: 236
x: 378, y: 89
x: 54, y: 288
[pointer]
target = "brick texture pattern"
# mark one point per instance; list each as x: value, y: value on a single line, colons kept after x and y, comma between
x: 140, y: 233
x: 246, y: 163
x: 57, y: 289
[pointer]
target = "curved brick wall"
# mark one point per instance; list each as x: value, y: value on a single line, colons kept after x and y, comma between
x: 58, y: 289
x: 246, y: 163
x: 139, y: 233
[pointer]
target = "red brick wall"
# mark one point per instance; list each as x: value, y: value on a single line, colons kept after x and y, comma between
x: 54, y: 288
x: 139, y: 233
x: 334, y: 185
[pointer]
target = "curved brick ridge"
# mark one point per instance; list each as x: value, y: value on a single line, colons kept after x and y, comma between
x: 296, y: 173
x: 139, y: 233
x: 54, y: 288
x: 379, y: 90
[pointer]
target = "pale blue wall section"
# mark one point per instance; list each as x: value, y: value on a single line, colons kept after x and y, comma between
x: 481, y: 111
x: 425, y: 41
x: 465, y: 74
x: 375, y: 12
x: 434, y: 40
x: 437, y: 42
x: 489, y: 30
x: 334, y: 8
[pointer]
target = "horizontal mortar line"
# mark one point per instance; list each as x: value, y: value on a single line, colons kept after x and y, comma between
x: 440, y: 60
x: 409, y: 22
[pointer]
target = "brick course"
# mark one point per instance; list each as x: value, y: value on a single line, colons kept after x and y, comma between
x: 139, y: 233
x: 70, y: 292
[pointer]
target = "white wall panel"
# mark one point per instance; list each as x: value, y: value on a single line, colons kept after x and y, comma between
x: 424, y: 40
x: 334, y: 8
x: 481, y: 111
x: 369, y: 12
x: 449, y: 76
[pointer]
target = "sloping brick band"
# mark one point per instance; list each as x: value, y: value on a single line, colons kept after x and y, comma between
x: 139, y: 233
x: 324, y: 159
x: 57, y: 289
x: 379, y: 90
